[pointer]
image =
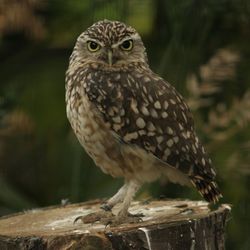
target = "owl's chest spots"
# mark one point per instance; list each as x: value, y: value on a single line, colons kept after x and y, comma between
x: 112, y: 156
x: 94, y: 135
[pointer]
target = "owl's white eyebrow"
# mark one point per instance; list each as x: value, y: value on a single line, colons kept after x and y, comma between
x: 120, y: 42
x: 96, y: 41
x: 132, y: 37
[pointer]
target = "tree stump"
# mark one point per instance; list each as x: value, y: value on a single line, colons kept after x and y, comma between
x: 167, y: 224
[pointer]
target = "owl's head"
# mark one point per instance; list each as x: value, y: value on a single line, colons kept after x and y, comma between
x: 111, y: 43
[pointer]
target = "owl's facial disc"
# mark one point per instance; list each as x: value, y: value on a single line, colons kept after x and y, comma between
x: 111, y: 43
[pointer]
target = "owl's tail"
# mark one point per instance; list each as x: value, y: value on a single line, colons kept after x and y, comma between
x: 208, y: 189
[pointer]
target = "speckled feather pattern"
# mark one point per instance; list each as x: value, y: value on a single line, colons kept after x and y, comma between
x: 132, y: 122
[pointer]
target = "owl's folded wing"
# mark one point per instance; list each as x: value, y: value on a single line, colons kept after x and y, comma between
x: 144, y: 110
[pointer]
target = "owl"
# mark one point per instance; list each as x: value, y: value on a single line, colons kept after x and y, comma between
x: 131, y: 122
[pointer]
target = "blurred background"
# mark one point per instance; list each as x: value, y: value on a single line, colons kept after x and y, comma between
x: 201, y: 47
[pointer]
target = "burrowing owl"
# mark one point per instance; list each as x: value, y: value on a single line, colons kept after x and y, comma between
x: 131, y: 122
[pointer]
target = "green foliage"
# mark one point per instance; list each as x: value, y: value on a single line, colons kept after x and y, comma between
x: 202, y: 47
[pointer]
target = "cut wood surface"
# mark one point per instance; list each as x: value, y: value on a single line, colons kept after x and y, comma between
x: 167, y: 224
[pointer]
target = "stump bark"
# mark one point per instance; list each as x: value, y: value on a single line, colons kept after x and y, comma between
x: 167, y: 224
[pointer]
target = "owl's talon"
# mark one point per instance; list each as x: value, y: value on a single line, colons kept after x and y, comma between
x: 77, y: 219
x: 136, y: 215
x: 94, y: 217
x: 106, y: 207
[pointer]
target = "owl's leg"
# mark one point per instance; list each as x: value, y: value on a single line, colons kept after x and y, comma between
x: 118, y: 197
x: 131, y: 190
x: 123, y: 215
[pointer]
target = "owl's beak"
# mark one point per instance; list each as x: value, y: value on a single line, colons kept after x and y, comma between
x: 110, y: 57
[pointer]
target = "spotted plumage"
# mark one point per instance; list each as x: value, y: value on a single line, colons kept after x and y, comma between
x: 131, y: 122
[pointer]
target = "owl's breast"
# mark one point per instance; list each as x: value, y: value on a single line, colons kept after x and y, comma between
x: 93, y: 134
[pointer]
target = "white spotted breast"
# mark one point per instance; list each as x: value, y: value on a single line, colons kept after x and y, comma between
x: 90, y: 129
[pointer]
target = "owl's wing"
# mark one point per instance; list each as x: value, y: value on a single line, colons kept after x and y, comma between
x: 144, y: 110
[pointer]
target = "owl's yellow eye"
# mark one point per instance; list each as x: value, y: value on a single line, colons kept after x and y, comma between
x: 127, y: 45
x: 93, y: 46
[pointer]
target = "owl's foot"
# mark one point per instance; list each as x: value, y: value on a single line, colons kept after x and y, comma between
x: 102, y: 216
x: 106, y: 217
x: 122, y: 219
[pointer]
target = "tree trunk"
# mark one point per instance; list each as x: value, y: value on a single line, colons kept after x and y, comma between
x: 167, y: 224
